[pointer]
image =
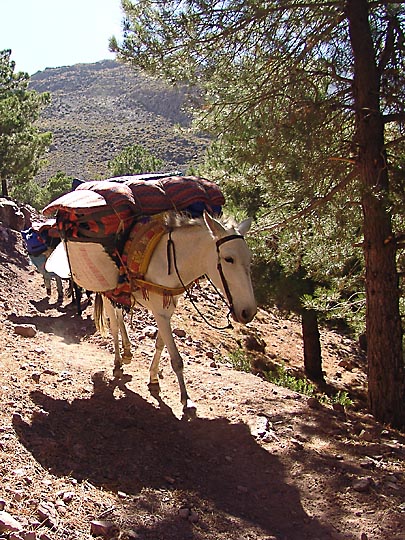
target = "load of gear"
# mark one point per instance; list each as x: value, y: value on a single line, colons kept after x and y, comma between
x: 110, y: 227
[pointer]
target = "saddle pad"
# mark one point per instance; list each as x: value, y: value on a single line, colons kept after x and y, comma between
x: 86, y: 200
x: 139, y: 247
x: 104, y: 211
x: 153, y: 196
x: 105, y: 224
x: 114, y: 193
x: 92, y: 267
x: 137, y: 252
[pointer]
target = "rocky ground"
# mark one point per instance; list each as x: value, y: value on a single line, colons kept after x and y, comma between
x: 83, y: 455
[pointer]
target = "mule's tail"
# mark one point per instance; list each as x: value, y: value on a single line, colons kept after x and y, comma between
x: 100, y: 320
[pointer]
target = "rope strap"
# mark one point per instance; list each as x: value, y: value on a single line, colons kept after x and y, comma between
x: 160, y: 289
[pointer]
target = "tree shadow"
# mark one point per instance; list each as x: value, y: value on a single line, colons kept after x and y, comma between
x: 126, y: 444
x: 344, y: 457
x: 357, y: 395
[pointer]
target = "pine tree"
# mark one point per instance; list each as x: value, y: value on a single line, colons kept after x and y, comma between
x: 134, y: 160
x: 320, y: 84
x: 21, y: 144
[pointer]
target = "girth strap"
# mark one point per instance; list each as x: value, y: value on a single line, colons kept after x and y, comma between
x: 161, y: 289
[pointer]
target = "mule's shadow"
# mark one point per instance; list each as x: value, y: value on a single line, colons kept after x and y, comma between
x: 125, y: 443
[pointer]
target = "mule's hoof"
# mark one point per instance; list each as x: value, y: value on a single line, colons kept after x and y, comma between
x: 189, y: 410
x: 126, y: 359
x: 118, y: 372
x: 154, y: 389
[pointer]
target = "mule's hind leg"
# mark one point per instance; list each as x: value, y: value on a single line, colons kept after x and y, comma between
x: 111, y: 314
x: 126, y: 344
x: 77, y: 296
x: 154, y: 366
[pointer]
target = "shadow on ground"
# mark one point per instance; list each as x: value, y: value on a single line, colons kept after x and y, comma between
x: 123, y: 443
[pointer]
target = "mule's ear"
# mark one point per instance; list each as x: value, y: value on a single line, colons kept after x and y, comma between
x: 244, y: 226
x: 217, y: 230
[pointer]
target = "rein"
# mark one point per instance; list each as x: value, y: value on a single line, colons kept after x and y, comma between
x: 171, y: 249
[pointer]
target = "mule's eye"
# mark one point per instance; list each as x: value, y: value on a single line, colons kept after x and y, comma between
x: 229, y: 260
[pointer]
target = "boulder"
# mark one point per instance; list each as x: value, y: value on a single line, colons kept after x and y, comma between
x: 11, y: 215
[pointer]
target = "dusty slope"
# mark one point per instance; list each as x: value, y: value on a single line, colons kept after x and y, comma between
x: 257, y: 463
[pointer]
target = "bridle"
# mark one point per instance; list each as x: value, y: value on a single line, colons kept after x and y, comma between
x: 229, y: 302
x: 219, y: 243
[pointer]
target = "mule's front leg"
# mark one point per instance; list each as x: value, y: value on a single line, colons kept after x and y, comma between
x: 154, y: 387
x: 113, y: 317
x: 166, y: 336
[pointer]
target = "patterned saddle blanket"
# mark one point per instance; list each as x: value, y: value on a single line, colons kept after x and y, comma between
x: 135, y: 258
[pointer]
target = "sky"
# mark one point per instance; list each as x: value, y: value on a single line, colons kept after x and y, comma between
x: 55, y: 33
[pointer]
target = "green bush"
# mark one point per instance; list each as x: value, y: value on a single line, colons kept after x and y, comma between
x: 31, y: 193
x: 134, y: 160
x: 241, y: 361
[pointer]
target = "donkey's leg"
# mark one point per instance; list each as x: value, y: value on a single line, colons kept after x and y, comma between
x: 59, y: 287
x: 112, y: 317
x: 163, y: 321
x: 126, y: 344
x: 78, y: 298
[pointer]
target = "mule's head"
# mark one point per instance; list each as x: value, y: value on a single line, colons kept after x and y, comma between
x: 230, y: 271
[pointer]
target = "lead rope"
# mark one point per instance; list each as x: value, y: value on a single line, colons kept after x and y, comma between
x: 171, y: 248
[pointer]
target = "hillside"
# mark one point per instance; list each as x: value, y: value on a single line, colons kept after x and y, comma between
x: 99, y: 109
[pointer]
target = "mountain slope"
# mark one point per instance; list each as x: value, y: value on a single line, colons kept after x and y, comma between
x: 99, y: 109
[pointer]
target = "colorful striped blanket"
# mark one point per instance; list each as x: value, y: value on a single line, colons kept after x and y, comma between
x: 105, y: 211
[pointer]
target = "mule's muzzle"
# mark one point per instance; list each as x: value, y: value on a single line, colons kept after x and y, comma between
x: 245, y: 316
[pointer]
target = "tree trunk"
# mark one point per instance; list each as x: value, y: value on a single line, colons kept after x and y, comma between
x: 386, y: 374
x: 312, y: 346
x: 4, y: 189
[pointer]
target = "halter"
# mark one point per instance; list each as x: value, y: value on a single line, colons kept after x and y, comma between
x: 221, y: 272
x: 171, y: 249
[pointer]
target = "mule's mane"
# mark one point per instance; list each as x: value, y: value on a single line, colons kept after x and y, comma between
x: 175, y: 220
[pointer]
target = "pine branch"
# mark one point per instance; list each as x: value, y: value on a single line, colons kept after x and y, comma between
x: 316, y: 203
x: 394, y: 117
